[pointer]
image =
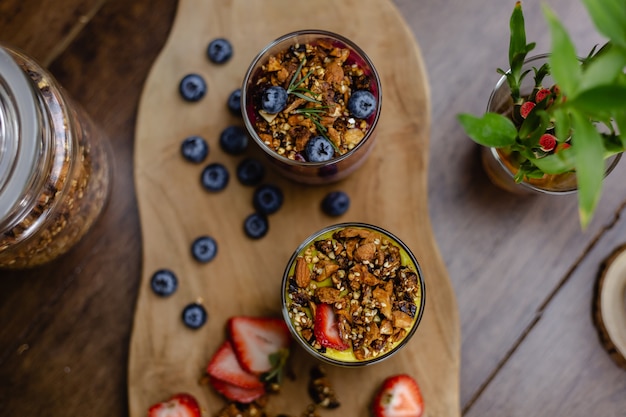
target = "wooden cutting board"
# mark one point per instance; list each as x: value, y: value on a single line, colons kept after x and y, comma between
x: 390, y: 190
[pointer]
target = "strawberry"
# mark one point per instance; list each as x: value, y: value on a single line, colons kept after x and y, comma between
x: 235, y: 393
x: 179, y: 405
x: 325, y: 328
x: 542, y: 94
x: 254, y: 339
x: 224, y: 366
x: 547, y: 142
x: 526, y: 108
x: 399, y: 396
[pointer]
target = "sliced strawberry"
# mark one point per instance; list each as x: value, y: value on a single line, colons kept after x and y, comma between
x: 526, y: 108
x: 325, y: 328
x: 224, y: 366
x: 542, y: 94
x: 399, y: 396
x: 235, y: 393
x: 254, y: 339
x: 179, y: 405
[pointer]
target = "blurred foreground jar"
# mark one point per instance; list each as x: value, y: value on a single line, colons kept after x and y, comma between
x: 54, y: 165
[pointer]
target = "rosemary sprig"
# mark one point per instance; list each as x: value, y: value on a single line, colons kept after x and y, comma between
x: 313, y: 114
x: 294, y: 85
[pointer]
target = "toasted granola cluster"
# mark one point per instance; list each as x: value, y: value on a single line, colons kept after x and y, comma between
x: 327, y: 77
x: 360, y: 273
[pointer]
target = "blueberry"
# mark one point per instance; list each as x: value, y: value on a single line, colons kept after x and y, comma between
x: 274, y: 99
x: 250, y: 171
x: 194, y: 149
x: 267, y: 199
x: 192, y: 87
x: 256, y: 225
x: 318, y: 149
x: 362, y: 104
x: 194, y: 316
x: 219, y: 50
x: 336, y: 203
x: 215, y: 177
x: 164, y: 282
x: 234, y: 140
x: 234, y: 102
x: 204, y: 249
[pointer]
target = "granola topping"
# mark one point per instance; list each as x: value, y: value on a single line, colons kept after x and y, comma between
x: 369, y: 281
x: 319, y: 79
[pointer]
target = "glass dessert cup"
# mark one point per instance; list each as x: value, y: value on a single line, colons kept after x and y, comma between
x: 501, y: 166
x: 369, y: 281
x: 282, y: 151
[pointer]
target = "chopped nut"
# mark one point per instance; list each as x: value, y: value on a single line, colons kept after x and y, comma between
x: 328, y: 295
x: 401, y: 320
x: 303, y: 275
x: 365, y: 252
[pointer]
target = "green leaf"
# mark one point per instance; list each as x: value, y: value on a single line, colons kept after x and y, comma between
x: 609, y: 17
x: 620, y: 119
x: 493, y: 130
x: 589, y: 155
x: 562, y: 125
x: 564, y: 63
x: 557, y: 163
x: 604, y: 68
x: 517, y: 41
x: 600, y: 100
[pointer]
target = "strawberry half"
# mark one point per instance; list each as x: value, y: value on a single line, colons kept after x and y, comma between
x: 254, y: 339
x: 179, y: 405
x: 399, y: 396
x: 224, y: 366
x: 542, y: 94
x: 325, y: 328
x: 526, y: 108
x: 235, y: 393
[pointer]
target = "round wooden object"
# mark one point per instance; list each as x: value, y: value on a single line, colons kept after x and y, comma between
x: 609, y: 307
x: 389, y: 190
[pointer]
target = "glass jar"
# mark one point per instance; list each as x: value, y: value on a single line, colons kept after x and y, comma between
x: 501, y: 166
x: 54, y: 165
x: 275, y: 145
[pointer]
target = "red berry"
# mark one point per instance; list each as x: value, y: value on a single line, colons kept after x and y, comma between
x: 326, y: 330
x: 547, y: 142
x: 541, y: 95
x: 179, y: 405
x: 526, y: 108
x: 254, y: 339
x: 399, y: 396
x: 224, y: 366
x: 562, y: 146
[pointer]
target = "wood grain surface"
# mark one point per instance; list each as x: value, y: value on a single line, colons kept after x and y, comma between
x: 244, y: 279
x: 522, y: 270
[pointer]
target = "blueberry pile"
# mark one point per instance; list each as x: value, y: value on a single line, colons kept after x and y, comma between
x: 267, y: 199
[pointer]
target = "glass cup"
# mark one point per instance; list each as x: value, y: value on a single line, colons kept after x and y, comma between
x: 282, y: 136
x: 352, y: 294
x: 501, y: 167
x: 55, y: 172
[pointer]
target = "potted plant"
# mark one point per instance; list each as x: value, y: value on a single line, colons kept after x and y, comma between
x: 563, y: 131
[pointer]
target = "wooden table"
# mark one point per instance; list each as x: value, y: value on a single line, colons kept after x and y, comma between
x: 522, y: 269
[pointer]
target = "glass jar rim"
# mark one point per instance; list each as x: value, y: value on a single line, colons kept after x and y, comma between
x: 18, y: 131
x: 420, y: 309
x: 262, y: 54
